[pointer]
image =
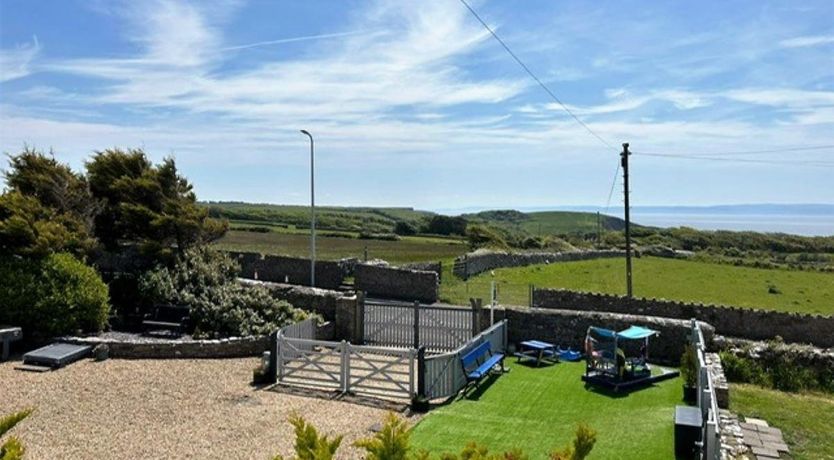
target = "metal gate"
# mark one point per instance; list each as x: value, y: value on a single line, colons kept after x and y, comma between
x: 415, y: 325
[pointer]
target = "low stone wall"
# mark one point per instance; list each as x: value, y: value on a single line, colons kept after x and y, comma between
x: 396, y: 283
x: 291, y: 270
x: 819, y: 360
x: 480, y: 261
x: 732, y: 321
x: 568, y: 328
x: 234, y: 347
x: 316, y: 300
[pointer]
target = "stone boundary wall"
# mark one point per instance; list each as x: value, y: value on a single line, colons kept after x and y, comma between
x: 321, y: 301
x: 292, y: 270
x: 473, y: 263
x: 436, y: 267
x: 804, y: 356
x: 233, y: 347
x: 745, y: 323
x: 567, y: 328
x: 396, y: 283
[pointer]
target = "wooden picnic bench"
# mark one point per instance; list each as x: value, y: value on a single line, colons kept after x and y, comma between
x: 167, y: 317
x: 538, y: 351
x: 478, y: 362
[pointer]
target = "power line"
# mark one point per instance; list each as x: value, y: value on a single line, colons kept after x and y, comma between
x: 737, y: 160
x: 613, y: 184
x: 534, y: 77
x: 750, y: 152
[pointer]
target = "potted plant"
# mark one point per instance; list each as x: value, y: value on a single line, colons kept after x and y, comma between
x: 689, y: 373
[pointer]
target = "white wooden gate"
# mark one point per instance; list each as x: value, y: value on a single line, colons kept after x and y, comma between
x: 414, y: 325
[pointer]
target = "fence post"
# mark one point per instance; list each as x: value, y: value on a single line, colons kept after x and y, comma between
x: 504, y: 334
x: 416, y: 324
x: 476, y: 315
x: 530, y: 296
x: 440, y: 271
x: 421, y: 372
x: 273, y: 357
x: 280, y: 355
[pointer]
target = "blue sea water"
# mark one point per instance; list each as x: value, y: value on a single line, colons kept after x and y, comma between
x: 809, y: 225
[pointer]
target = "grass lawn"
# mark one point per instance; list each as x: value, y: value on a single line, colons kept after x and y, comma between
x: 297, y: 244
x: 538, y: 410
x: 806, y: 420
x: 807, y: 292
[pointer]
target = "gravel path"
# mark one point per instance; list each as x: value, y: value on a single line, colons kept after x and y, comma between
x: 120, y: 409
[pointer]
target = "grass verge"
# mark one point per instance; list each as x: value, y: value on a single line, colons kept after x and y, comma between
x: 806, y: 419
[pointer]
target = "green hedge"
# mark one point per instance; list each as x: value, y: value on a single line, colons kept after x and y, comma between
x: 52, y: 296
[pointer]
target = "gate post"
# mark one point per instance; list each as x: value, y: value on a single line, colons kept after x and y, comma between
x: 421, y: 372
x: 273, y: 373
x: 416, y: 324
x: 476, y: 315
x: 359, y: 320
x: 345, y: 371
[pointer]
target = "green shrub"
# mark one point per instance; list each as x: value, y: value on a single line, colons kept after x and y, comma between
x: 582, y: 445
x: 12, y: 449
x: 689, y: 366
x: 205, y: 280
x: 743, y: 370
x: 309, y: 444
x: 52, y: 296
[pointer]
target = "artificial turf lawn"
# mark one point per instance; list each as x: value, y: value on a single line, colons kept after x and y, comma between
x: 692, y: 281
x: 806, y: 419
x: 538, y: 409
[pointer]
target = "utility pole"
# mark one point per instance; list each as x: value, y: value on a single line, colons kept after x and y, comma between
x: 312, y: 211
x: 624, y: 156
x: 599, y: 236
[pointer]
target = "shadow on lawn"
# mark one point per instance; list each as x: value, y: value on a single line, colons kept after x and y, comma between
x: 475, y: 394
x: 623, y: 393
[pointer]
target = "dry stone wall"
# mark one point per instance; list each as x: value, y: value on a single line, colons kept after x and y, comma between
x: 291, y: 270
x: 396, y: 283
x: 233, y: 347
x: 481, y: 261
x: 746, y: 323
x: 567, y: 328
x: 316, y: 300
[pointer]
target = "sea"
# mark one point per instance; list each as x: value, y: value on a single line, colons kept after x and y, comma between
x: 808, y: 225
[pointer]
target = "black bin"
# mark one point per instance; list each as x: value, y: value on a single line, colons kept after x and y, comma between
x: 688, y: 425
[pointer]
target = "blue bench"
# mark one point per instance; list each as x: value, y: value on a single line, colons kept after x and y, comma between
x: 479, y: 361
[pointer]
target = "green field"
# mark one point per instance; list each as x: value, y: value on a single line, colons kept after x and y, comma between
x: 560, y: 222
x: 538, y: 409
x: 806, y: 420
x: 783, y: 290
x: 297, y: 244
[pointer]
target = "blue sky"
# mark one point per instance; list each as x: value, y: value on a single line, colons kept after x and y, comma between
x: 414, y: 104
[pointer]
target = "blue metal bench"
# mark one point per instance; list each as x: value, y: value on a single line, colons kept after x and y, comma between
x: 479, y: 361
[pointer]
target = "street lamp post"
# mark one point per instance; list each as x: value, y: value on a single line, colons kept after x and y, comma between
x: 312, y: 212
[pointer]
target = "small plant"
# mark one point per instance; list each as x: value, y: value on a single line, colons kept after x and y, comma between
x: 390, y: 443
x: 12, y: 449
x: 309, y: 445
x: 582, y: 446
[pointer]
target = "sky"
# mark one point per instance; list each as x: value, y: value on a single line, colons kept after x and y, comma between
x: 414, y: 103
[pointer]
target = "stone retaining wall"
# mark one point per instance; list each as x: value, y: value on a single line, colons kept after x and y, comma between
x: 436, y: 267
x: 732, y: 321
x: 291, y: 270
x: 480, y: 261
x: 568, y: 328
x: 396, y: 283
x: 234, y: 347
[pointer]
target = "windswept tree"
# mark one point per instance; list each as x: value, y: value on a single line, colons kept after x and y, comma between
x: 148, y: 205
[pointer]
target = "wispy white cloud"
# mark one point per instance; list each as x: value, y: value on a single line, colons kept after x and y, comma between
x: 16, y: 62
x: 808, y: 40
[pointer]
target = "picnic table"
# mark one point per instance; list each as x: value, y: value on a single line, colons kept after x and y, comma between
x: 8, y: 334
x: 538, y: 351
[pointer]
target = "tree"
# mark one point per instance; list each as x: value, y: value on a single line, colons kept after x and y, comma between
x: 445, y: 225
x: 28, y: 228
x: 150, y: 206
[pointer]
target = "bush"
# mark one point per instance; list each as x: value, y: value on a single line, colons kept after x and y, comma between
x: 404, y: 228
x: 206, y: 281
x: 309, y: 444
x: 743, y: 370
x: 582, y: 445
x: 689, y: 366
x: 52, y: 296
x: 12, y: 449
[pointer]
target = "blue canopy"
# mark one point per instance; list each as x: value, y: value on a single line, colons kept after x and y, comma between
x: 607, y: 333
x: 635, y: 333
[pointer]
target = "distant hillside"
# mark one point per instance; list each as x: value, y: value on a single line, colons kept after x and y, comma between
x: 384, y: 219
x: 548, y: 222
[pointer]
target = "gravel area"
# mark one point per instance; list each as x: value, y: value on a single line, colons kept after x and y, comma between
x: 136, y: 409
